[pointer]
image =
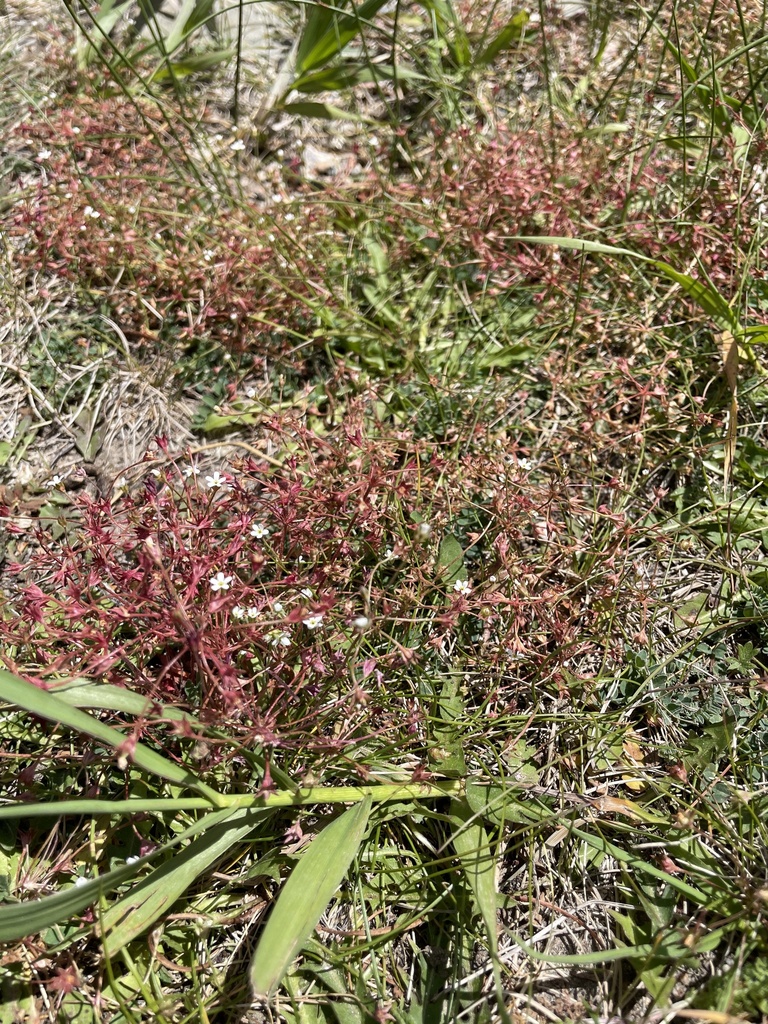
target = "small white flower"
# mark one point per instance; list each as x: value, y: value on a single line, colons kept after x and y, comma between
x: 314, y: 621
x: 208, y: 255
x: 237, y: 146
x: 281, y: 639
x: 75, y: 130
x: 238, y: 612
x: 259, y: 532
x: 44, y: 154
x: 156, y: 473
x: 216, y: 479
x: 220, y: 582
x: 54, y: 481
x: 389, y: 554
x: 361, y: 622
x: 132, y: 860
x: 252, y: 612
x: 524, y: 464
x: 90, y: 212
x: 277, y: 607
x: 120, y: 485
x: 424, y: 529
x: 462, y: 587
x: 80, y: 881
x: 492, y: 579
x: 250, y: 392
x: 189, y: 471
x: 306, y: 592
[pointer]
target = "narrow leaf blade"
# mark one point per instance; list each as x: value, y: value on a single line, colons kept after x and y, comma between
x: 46, y: 704
x: 156, y: 894
x: 512, y: 32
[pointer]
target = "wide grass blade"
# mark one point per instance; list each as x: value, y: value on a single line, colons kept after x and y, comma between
x: 512, y: 32
x: 154, y: 895
x: 18, y: 920
x: 47, y: 705
x: 329, y: 30
x: 83, y: 693
x: 305, y: 896
x: 478, y: 861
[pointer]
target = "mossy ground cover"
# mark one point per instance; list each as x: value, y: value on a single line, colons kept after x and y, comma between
x: 383, y: 580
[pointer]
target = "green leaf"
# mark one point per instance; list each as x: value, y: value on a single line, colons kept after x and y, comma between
x: 446, y: 752
x: 450, y: 560
x: 500, y: 804
x: 329, y: 30
x: 512, y: 32
x: 83, y: 693
x: 305, y: 896
x: 335, y: 79
x: 478, y: 861
x: 179, y: 31
x: 19, y: 920
x: 191, y: 64
x: 156, y: 894
x: 47, y: 705
x: 707, y: 297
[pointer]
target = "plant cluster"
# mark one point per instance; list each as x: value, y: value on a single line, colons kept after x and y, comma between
x: 491, y: 571
x: 295, y: 603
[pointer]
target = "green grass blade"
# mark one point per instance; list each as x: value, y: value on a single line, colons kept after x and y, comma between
x: 512, y: 32
x: 179, y: 30
x: 305, y: 896
x: 318, y: 23
x: 326, y: 111
x: 156, y: 894
x: 47, y: 705
x: 18, y: 920
x: 83, y: 693
x: 330, y: 43
x: 639, y: 865
x: 478, y: 861
x: 707, y: 297
x: 96, y: 808
x: 192, y: 64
